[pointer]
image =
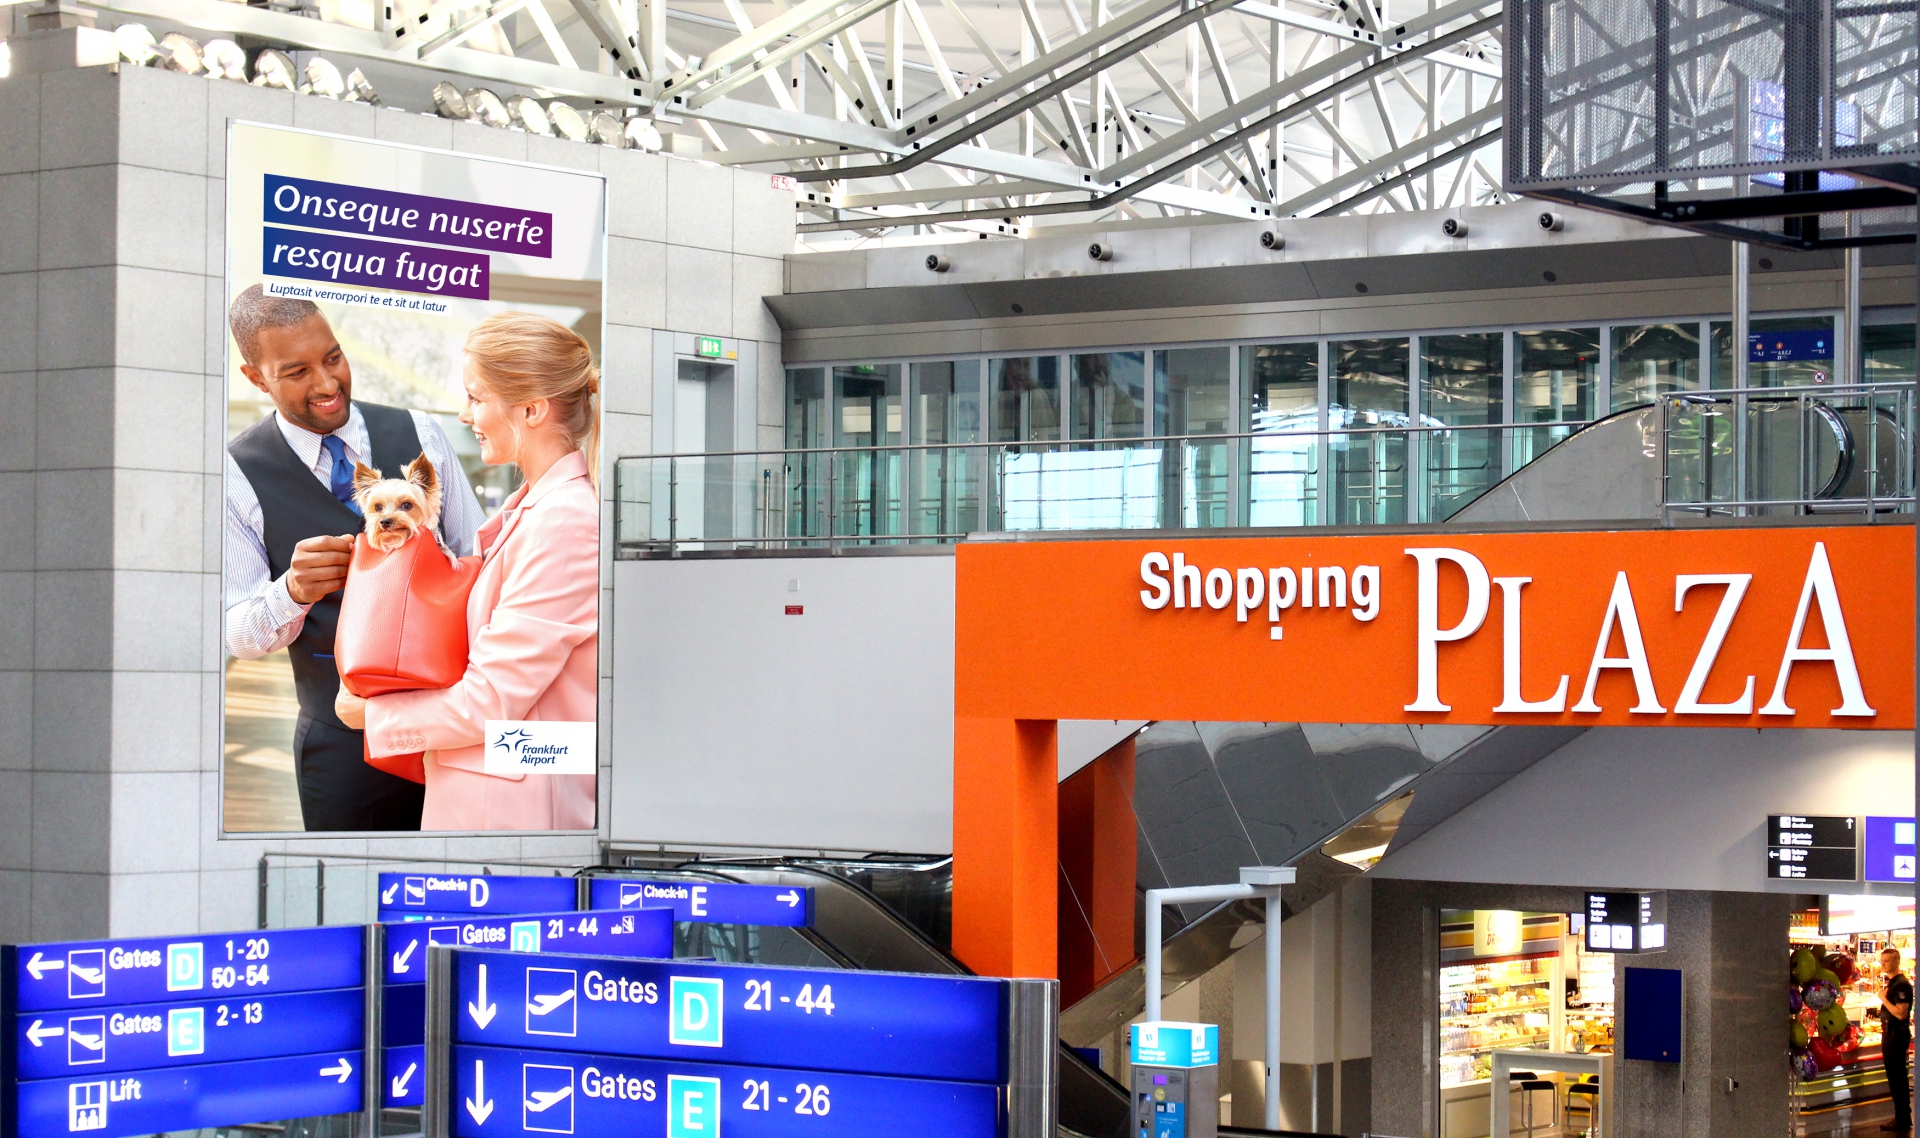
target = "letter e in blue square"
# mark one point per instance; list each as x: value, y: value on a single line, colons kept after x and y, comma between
x: 186, y: 1031
x: 693, y: 1107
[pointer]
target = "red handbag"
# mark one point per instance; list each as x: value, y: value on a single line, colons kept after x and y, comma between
x: 403, y: 627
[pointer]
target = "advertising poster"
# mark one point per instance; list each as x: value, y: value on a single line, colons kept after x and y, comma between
x: 411, y: 527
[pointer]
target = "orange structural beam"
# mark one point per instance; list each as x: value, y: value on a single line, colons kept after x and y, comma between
x: 1099, y: 862
x: 1005, y: 846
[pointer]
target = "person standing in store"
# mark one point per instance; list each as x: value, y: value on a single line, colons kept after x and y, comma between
x: 1896, y: 1008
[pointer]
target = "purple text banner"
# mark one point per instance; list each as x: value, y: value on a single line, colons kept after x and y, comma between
x: 413, y: 217
x: 376, y: 264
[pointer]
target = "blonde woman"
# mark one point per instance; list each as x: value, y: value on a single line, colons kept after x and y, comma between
x: 533, y: 617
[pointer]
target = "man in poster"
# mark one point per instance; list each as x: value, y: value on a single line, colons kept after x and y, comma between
x: 290, y: 520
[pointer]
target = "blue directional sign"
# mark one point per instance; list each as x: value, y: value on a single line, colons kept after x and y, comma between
x: 405, y: 895
x: 1889, y: 850
x: 937, y: 1027
x: 406, y: 1076
x: 718, y: 902
x: 49, y: 1045
x: 91, y: 974
x: 188, y: 1098
x: 517, y: 1093
x: 646, y: 933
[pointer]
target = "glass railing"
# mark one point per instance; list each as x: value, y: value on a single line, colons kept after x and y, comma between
x: 1371, y: 470
x: 1788, y: 451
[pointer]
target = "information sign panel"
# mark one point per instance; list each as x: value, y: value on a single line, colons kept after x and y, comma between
x: 1807, y: 847
x: 93, y: 974
x: 507, y: 1093
x: 710, y: 902
x: 937, y: 1027
x: 638, y: 932
x: 1889, y: 849
x: 188, y: 1098
x: 48, y: 1045
x: 407, y: 894
x: 1626, y: 922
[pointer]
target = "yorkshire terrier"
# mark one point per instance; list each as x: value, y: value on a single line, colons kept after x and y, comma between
x: 397, y: 508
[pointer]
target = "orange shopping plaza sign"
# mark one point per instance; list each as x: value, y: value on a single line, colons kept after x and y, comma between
x: 1779, y: 627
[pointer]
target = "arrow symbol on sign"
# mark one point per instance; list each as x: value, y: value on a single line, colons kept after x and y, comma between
x: 791, y: 897
x: 343, y: 1069
x: 400, y: 958
x: 36, y: 1034
x: 482, y: 1012
x: 401, y: 1080
x: 387, y: 897
x: 40, y: 964
x: 479, y: 1106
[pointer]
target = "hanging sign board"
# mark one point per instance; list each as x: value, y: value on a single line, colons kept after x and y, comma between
x: 1804, y: 847
x: 416, y: 896
x: 702, y: 902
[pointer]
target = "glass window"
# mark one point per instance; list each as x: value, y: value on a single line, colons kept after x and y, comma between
x: 1192, y: 391
x: 1110, y: 395
x: 946, y: 406
x: 1651, y: 359
x: 806, y: 407
x: 1026, y: 399
x: 947, y: 481
x: 1283, y: 395
x: 1782, y: 351
x: 869, y: 402
x: 1368, y: 388
x: 1554, y: 375
x: 1462, y: 381
x: 1886, y: 353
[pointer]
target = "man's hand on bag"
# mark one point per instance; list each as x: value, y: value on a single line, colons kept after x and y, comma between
x: 351, y: 709
x: 319, y: 567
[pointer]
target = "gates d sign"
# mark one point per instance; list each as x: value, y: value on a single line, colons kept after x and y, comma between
x: 1748, y: 627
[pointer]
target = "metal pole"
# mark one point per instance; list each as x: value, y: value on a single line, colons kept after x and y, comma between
x: 319, y: 893
x: 263, y: 891
x: 1848, y: 369
x: 1275, y: 915
x: 1153, y: 956
x: 1742, y: 359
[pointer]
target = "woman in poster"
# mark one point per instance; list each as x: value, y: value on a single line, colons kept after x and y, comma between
x: 533, y: 616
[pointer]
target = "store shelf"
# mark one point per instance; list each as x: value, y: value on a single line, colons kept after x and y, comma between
x: 1517, y: 1009
x: 1518, y: 1042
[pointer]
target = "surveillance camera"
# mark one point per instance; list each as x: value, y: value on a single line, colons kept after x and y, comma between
x: 1454, y: 227
x: 1100, y: 252
x: 1271, y: 240
x: 938, y: 264
x: 1552, y: 222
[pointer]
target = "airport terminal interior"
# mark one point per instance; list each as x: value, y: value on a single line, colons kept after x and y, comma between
x: 1058, y: 569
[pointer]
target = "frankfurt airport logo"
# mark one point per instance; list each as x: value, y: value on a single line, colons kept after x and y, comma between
x: 547, y: 746
x: 697, y: 1006
x: 552, y: 1003
x: 547, y: 1104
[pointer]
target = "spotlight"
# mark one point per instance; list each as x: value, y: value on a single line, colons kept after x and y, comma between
x: 136, y: 43
x: 607, y: 130
x: 528, y: 115
x: 938, y: 264
x: 6, y: 59
x: 1271, y: 240
x: 569, y: 122
x: 1552, y: 222
x: 483, y: 106
x: 273, y: 69
x: 1454, y: 227
x: 449, y: 103
x: 361, y: 91
x: 182, y: 54
x: 323, y: 79
x: 224, y: 60
x: 643, y: 135
x: 1100, y: 252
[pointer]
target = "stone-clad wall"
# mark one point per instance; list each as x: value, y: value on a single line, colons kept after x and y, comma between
x: 112, y: 420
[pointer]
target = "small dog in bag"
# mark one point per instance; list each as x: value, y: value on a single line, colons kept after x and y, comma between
x: 397, y: 508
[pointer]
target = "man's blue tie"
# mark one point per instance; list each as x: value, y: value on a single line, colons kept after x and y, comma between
x: 341, y: 480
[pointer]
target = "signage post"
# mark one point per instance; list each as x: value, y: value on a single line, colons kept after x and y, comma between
x: 180, y: 1033
x: 522, y: 1045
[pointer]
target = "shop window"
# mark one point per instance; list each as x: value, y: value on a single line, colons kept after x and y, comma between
x: 1783, y: 351
x: 1026, y: 399
x: 1886, y: 353
x: 1840, y: 1073
x: 1368, y: 389
x: 1282, y: 382
x: 1193, y: 394
x: 1555, y: 372
x: 1462, y: 378
x: 1110, y: 395
x: 1652, y: 359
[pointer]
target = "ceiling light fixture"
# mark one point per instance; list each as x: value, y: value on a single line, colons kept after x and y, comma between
x: 323, y: 79
x: 224, y: 60
x: 182, y: 53
x: 529, y: 116
x: 273, y: 69
x: 569, y: 122
x: 643, y: 135
x: 359, y: 90
x: 483, y: 106
x: 449, y: 103
x: 607, y: 130
x: 136, y: 43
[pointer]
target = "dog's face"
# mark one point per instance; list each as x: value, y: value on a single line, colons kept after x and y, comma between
x: 397, y: 508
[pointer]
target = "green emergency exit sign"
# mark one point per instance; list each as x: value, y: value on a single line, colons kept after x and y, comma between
x: 708, y: 346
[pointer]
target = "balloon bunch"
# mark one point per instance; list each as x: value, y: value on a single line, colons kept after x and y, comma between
x: 1822, y: 1037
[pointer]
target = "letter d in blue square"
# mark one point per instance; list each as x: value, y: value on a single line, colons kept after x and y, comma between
x: 693, y: 1107
x: 185, y: 967
x: 695, y: 1013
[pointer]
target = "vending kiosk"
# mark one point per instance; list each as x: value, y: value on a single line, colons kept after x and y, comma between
x: 1176, y: 1080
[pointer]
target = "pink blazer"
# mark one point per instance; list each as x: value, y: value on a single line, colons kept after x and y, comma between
x: 533, y: 626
